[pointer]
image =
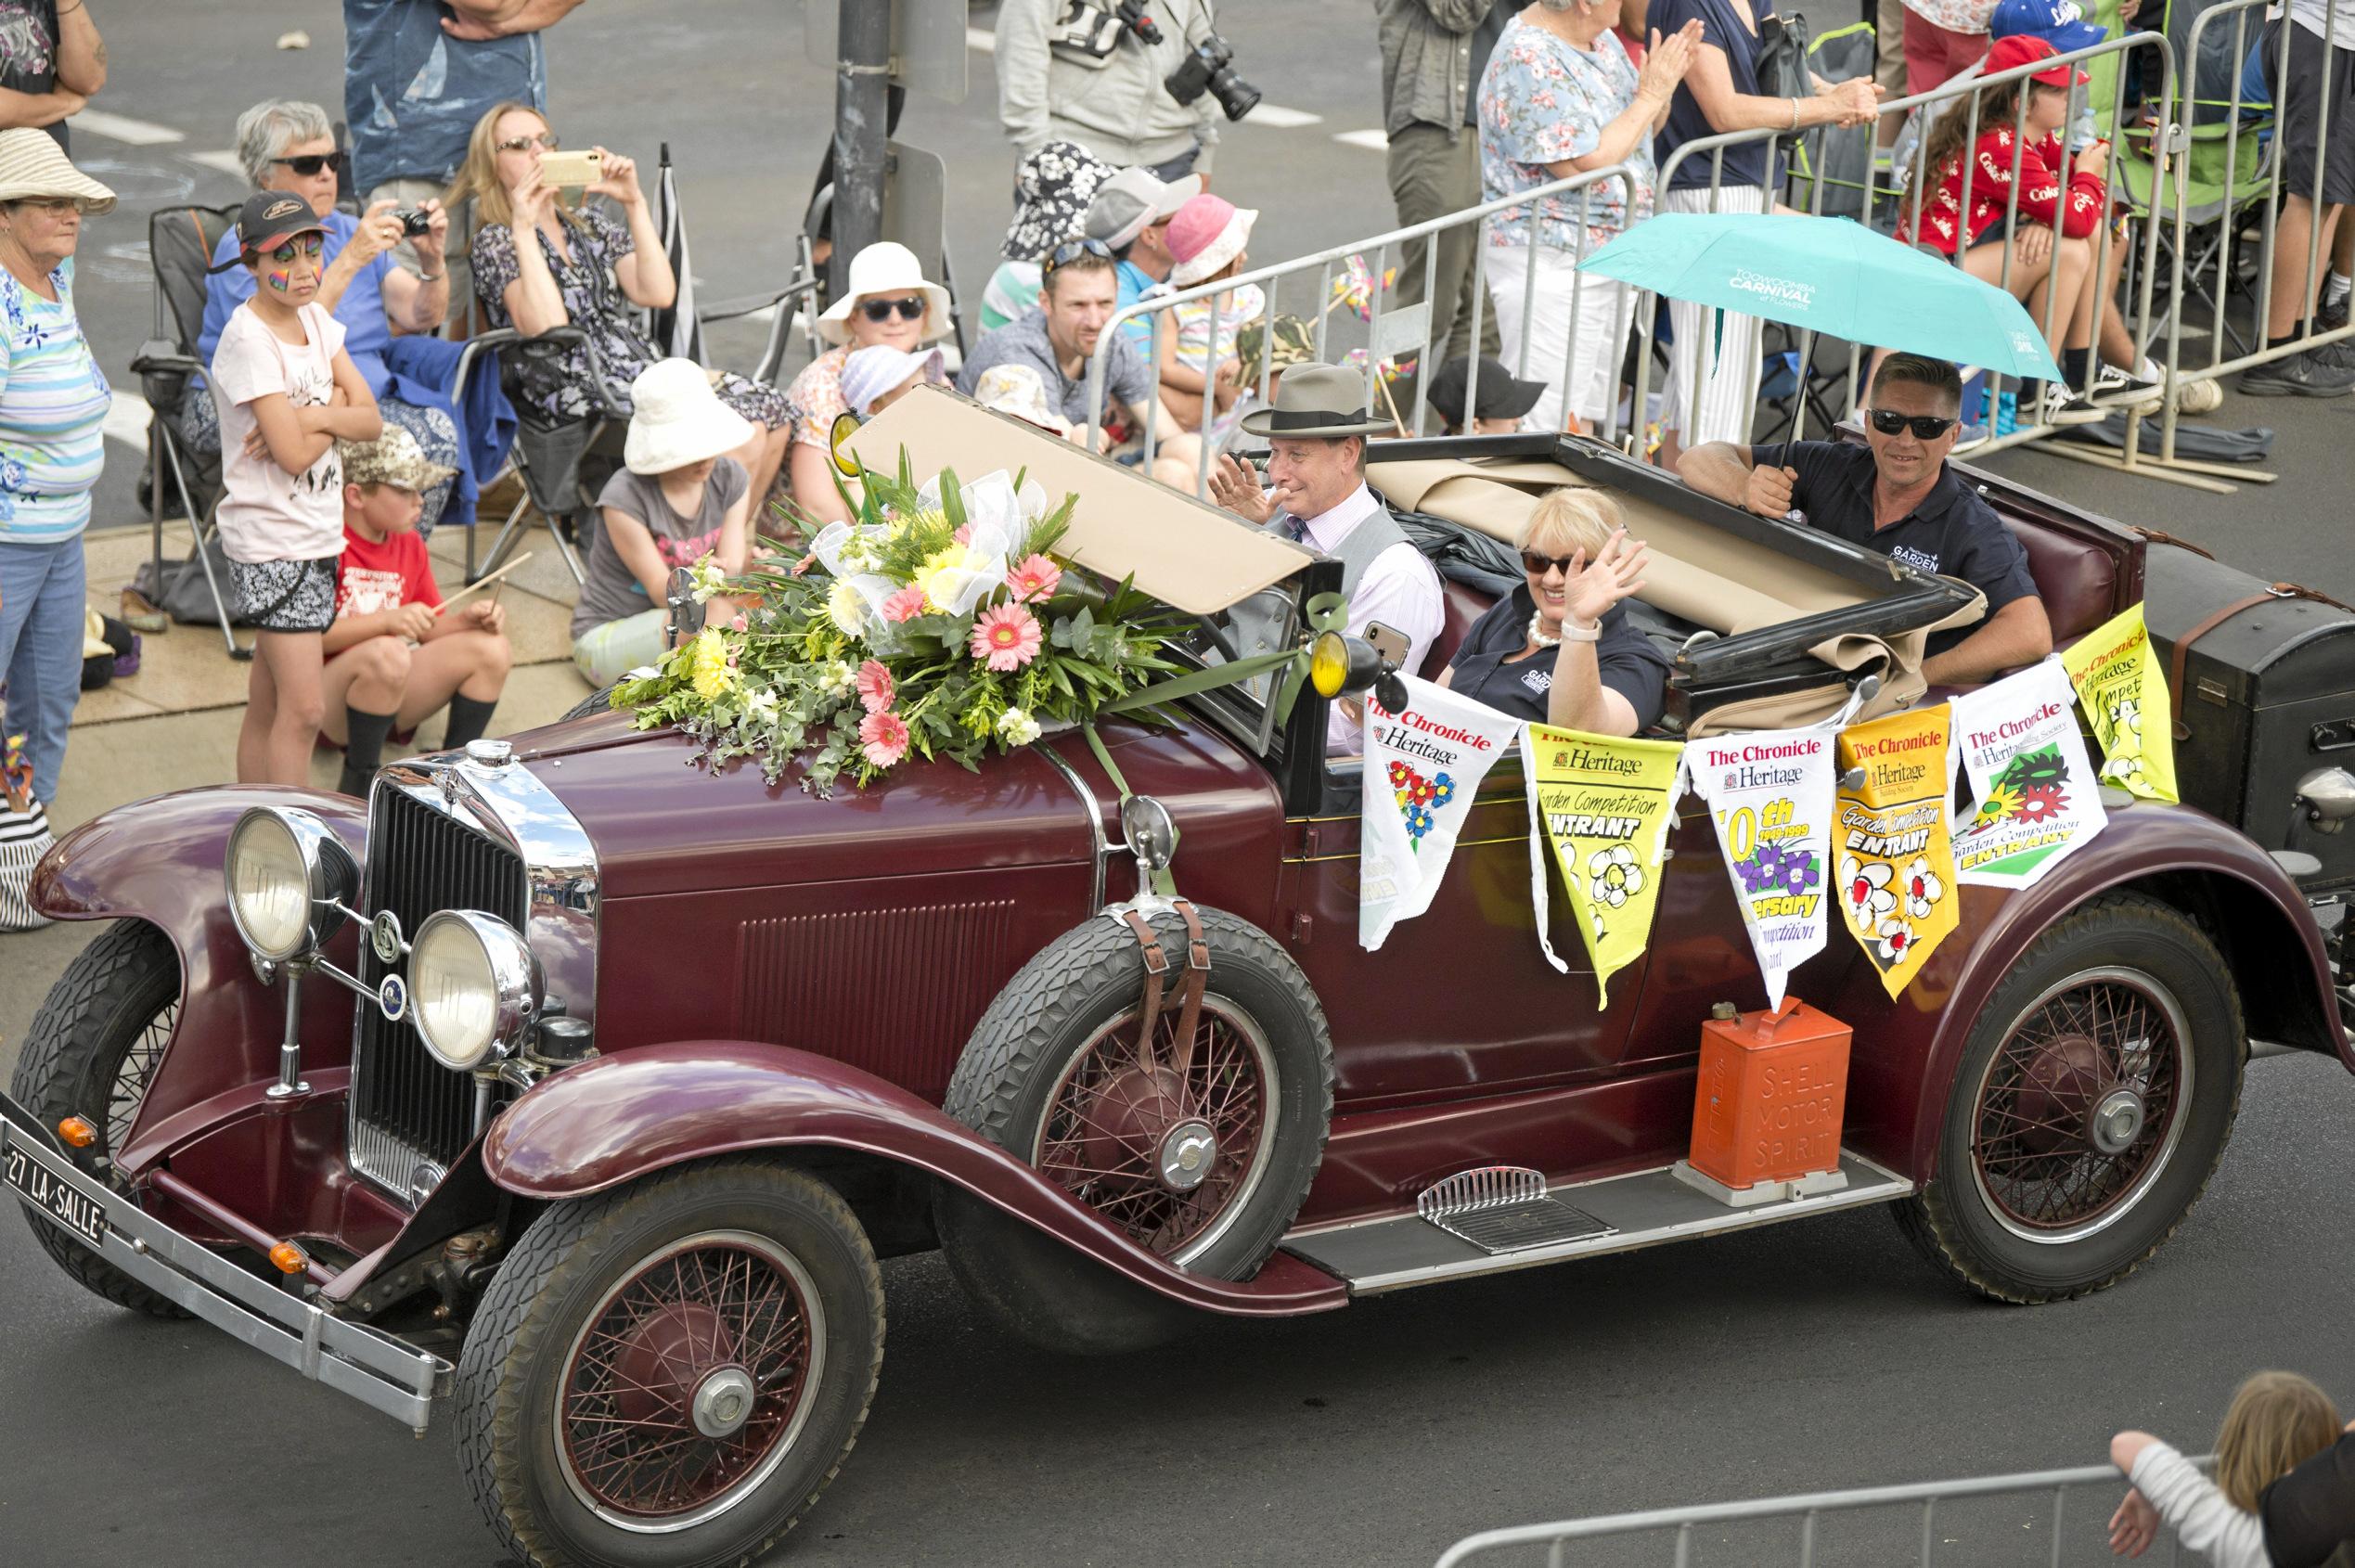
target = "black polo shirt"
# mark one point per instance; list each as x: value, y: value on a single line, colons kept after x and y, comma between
x: 1953, y: 531
x: 1624, y: 658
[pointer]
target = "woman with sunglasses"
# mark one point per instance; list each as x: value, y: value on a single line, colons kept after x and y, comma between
x: 585, y: 269
x: 289, y: 145
x: 52, y: 409
x: 1560, y: 649
x: 889, y: 303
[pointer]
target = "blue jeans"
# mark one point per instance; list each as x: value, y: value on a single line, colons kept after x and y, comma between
x: 41, y: 617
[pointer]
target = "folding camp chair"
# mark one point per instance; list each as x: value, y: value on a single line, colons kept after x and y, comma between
x: 180, y: 245
x: 563, y: 465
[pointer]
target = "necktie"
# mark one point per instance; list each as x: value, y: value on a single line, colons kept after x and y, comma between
x: 1294, y: 529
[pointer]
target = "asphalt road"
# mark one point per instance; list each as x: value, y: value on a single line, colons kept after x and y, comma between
x: 1825, y: 1354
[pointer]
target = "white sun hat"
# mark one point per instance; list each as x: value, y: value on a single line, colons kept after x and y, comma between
x: 31, y: 166
x: 890, y: 269
x: 678, y: 419
x: 1022, y: 392
x: 879, y: 368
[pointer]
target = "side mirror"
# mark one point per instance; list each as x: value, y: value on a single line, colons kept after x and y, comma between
x: 1151, y: 834
x: 845, y: 426
x: 2327, y: 795
x: 686, y: 616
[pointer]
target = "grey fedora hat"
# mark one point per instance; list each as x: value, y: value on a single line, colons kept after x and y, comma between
x: 1320, y: 402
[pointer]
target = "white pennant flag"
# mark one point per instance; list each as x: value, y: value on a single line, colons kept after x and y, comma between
x: 1423, y: 767
x: 1770, y: 794
x: 2034, y: 796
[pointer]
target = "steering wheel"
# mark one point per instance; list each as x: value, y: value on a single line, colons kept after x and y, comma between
x: 1218, y: 638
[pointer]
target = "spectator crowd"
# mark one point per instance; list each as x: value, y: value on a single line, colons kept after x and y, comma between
x: 329, y: 416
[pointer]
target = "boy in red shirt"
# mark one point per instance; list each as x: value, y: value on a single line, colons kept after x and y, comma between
x: 393, y: 657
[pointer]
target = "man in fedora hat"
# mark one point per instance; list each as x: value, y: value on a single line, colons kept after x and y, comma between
x: 1316, y: 432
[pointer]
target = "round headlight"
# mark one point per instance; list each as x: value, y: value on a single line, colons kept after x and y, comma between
x: 472, y: 987
x: 287, y: 876
x: 1329, y: 664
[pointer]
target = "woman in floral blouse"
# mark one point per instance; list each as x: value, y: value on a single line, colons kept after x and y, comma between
x: 586, y: 271
x: 1560, y: 98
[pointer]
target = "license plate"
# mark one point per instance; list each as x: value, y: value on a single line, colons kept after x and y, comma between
x: 37, y: 1185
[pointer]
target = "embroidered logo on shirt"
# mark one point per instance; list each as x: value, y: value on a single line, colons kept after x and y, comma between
x: 1539, y: 681
x: 1921, y: 561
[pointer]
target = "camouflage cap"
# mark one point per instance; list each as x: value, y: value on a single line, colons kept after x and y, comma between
x: 392, y: 458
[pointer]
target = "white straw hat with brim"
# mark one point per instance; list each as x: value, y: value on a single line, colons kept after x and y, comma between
x: 1317, y: 402
x: 1132, y: 201
x: 879, y: 368
x: 678, y: 419
x: 1022, y: 392
x: 890, y: 269
x: 33, y: 166
x: 1207, y: 233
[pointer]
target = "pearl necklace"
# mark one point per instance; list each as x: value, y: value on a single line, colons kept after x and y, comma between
x: 1538, y: 639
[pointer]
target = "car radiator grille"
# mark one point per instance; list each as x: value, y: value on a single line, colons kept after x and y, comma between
x: 408, y: 1110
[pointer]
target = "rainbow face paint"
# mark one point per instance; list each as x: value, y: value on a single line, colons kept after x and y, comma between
x: 281, y: 281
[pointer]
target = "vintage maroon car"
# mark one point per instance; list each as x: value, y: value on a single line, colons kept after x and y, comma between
x: 647, y: 1065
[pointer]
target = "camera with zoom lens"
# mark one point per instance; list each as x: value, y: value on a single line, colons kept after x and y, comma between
x: 414, y: 223
x: 1211, y: 66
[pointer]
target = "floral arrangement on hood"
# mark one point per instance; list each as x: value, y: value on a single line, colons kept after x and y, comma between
x: 939, y: 623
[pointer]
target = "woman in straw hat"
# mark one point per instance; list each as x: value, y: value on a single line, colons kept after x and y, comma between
x: 52, y: 409
x: 680, y: 497
x: 889, y: 301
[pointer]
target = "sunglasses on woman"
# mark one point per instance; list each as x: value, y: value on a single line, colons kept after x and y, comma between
x: 1071, y: 250
x: 1535, y: 565
x: 908, y: 309
x: 1925, y: 427
x: 309, y: 164
x: 545, y: 141
x: 301, y: 244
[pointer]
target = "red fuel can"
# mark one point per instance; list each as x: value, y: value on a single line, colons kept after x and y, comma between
x: 1772, y: 1089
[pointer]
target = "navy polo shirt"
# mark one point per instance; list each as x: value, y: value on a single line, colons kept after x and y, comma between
x: 1625, y: 660
x: 1953, y: 531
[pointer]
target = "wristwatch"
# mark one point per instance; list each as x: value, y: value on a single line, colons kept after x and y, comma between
x: 1573, y: 632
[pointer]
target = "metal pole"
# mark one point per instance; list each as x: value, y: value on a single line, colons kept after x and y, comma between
x: 862, y: 123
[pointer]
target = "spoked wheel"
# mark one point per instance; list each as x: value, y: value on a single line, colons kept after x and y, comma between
x: 668, y: 1375
x: 2094, y: 1096
x: 93, y: 1051
x: 1168, y: 1142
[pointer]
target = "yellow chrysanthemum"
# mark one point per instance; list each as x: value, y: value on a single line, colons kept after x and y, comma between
x: 940, y: 576
x: 710, y: 670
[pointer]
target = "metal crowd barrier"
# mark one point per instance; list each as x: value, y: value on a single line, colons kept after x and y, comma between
x: 1814, y: 1541
x: 1393, y: 337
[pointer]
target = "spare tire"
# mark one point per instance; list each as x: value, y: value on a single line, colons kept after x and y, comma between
x: 1205, y: 1166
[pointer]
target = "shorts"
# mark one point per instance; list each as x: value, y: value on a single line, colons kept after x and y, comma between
x: 1935, y: 54
x: 2299, y: 103
x: 284, y: 595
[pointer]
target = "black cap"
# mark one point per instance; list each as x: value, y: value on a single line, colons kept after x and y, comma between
x: 269, y: 219
x: 1499, y: 396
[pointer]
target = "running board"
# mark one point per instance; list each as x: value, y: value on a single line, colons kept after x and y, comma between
x: 1641, y: 1210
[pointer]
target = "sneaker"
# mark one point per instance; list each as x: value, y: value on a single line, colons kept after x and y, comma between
x: 2300, y: 375
x: 2330, y: 318
x: 2337, y: 357
x: 2128, y: 390
x: 2058, y: 405
x: 2201, y: 396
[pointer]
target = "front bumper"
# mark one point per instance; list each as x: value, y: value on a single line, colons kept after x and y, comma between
x: 374, y: 1367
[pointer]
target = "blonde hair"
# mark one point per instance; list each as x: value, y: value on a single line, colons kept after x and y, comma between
x: 2277, y: 1421
x: 476, y: 179
x: 1582, y: 520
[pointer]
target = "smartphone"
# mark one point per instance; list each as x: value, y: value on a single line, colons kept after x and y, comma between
x: 571, y: 171
x: 1391, y: 645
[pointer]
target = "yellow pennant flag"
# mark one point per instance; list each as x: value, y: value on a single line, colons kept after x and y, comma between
x: 2123, y: 691
x: 1603, y: 804
x: 1894, y: 849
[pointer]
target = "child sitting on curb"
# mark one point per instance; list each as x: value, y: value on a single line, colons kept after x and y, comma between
x: 285, y: 392
x: 676, y: 499
x: 393, y: 657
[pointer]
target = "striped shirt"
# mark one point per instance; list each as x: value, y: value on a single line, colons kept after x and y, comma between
x: 53, y: 411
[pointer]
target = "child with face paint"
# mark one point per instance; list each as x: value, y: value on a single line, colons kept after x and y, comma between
x: 285, y: 392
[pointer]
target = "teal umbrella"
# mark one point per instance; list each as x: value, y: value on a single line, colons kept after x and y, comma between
x: 1832, y: 277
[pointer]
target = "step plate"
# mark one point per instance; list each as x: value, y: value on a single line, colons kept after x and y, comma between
x: 1514, y: 1228
x: 1641, y: 1210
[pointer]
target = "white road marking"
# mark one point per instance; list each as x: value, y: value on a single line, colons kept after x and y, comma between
x: 225, y: 160
x: 121, y: 128
x: 127, y: 420
x: 1283, y: 119
x: 1372, y: 141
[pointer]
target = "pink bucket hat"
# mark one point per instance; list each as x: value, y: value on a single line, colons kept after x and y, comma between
x: 1208, y: 232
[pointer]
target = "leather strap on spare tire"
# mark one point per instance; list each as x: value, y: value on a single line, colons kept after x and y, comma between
x: 2178, y: 660
x: 1197, y: 980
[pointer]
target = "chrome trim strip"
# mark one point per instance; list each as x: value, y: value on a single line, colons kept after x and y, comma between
x: 378, y: 1370
x: 1095, y: 820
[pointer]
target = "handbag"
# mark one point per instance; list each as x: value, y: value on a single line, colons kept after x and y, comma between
x: 1781, y: 63
x: 24, y: 839
x: 183, y: 594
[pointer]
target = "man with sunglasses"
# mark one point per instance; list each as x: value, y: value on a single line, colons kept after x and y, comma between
x: 1078, y: 290
x: 1897, y: 495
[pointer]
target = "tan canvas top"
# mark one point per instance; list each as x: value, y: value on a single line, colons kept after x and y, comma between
x: 1183, y: 552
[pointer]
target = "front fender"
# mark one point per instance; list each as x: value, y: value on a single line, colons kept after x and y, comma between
x: 625, y: 1116
x: 2182, y: 858
x: 162, y: 861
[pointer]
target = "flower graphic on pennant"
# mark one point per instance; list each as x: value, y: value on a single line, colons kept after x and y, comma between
x: 2040, y: 802
x: 1866, y: 890
x: 1399, y: 774
x: 1892, y: 941
x: 1615, y: 875
x: 2003, y: 800
x: 2122, y: 769
x: 1418, y: 824
x: 1443, y: 790
x: 1921, y: 887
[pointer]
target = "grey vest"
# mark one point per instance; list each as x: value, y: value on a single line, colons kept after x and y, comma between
x: 1257, y: 622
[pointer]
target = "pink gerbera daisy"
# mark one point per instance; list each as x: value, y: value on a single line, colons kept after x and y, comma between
x: 875, y: 687
x: 883, y: 738
x: 1034, y: 579
x: 964, y: 536
x: 1006, y: 636
x: 905, y: 605
x: 804, y: 564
